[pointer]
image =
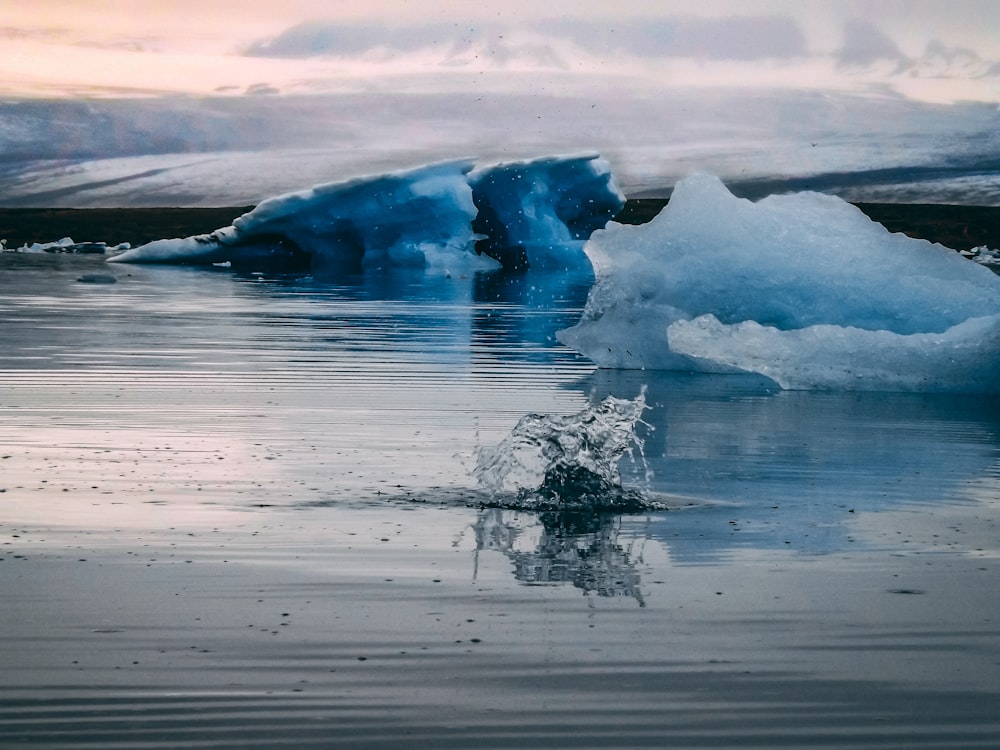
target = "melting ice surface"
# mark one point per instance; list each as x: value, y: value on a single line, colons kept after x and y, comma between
x: 566, y: 463
x: 802, y: 288
x: 441, y: 217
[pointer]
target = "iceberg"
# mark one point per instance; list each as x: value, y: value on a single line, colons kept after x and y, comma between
x: 801, y: 288
x: 413, y: 218
x: 444, y: 217
x: 539, y: 213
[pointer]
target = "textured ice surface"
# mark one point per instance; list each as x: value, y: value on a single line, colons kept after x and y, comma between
x: 963, y: 358
x: 802, y: 288
x: 540, y: 212
x: 443, y: 217
x: 419, y: 218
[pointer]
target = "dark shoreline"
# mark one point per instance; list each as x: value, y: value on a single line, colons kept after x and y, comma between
x: 137, y: 226
x: 957, y: 227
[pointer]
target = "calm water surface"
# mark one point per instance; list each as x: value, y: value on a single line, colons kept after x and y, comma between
x: 239, y: 512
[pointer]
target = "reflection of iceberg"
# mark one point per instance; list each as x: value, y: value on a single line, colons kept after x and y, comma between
x: 446, y: 217
x: 799, y: 470
x: 582, y: 549
x: 802, y: 288
x: 517, y: 315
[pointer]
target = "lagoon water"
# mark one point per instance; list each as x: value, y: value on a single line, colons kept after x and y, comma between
x: 240, y: 511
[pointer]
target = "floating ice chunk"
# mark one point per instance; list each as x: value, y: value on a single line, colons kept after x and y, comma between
x: 419, y: 218
x: 985, y: 256
x: 966, y: 357
x: 65, y: 245
x: 785, y: 264
x: 438, y: 217
x: 199, y: 249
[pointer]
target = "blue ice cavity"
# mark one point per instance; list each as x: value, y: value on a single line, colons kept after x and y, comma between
x: 540, y: 212
x: 802, y: 288
x: 441, y: 217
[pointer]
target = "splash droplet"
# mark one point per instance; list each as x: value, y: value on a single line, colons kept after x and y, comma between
x: 567, y: 463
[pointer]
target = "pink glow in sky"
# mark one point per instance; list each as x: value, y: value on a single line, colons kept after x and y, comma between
x: 922, y: 49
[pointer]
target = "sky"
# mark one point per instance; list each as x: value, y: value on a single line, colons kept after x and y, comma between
x: 926, y: 49
x: 224, y: 102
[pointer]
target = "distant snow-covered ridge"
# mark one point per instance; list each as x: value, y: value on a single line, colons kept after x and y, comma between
x: 447, y: 216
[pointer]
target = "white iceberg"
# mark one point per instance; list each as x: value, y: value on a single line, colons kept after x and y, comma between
x: 439, y: 217
x: 802, y: 288
x: 966, y: 357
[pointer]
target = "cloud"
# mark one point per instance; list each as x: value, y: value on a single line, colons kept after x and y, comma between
x: 945, y: 60
x: 331, y: 39
x: 941, y: 62
x: 941, y: 72
x: 450, y: 45
x: 779, y: 45
x: 733, y: 38
x: 12, y: 32
x: 261, y: 89
x: 865, y: 45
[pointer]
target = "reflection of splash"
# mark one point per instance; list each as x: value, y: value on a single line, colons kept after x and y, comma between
x: 552, y: 547
x: 566, y: 463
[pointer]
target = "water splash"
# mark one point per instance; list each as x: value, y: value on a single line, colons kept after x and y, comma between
x: 567, y: 463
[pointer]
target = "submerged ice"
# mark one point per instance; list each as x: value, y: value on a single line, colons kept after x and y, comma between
x: 566, y: 463
x: 803, y: 288
x: 449, y: 216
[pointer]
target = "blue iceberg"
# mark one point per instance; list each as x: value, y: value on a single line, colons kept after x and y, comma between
x: 539, y: 213
x: 444, y: 217
x: 802, y: 288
